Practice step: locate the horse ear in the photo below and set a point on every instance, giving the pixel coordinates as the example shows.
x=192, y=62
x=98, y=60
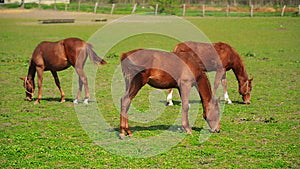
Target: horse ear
x=22, y=78
x=250, y=79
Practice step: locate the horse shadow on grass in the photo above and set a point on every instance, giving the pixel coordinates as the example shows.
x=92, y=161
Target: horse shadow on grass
x=238, y=102
x=57, y=99
x=173, y=128
x=178, y=103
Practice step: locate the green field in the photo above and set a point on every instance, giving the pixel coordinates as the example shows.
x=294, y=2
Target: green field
x=264, y=134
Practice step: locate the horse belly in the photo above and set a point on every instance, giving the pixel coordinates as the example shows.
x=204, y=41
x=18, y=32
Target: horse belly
x=61, y=65
x=162, y=82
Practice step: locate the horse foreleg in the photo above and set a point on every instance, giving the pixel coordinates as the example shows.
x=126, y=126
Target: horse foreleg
x=169, y=98
x=40, y=81
x=57, y=82
x=224, y=84
x=185, y=90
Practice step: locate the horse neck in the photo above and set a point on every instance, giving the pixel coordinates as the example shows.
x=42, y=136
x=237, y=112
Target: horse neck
x=205, y=92
x=239, y=70
x=31, y=72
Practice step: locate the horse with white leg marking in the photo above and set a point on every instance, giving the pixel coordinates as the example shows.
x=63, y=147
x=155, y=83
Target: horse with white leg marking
x=166, y=70
x=58, y=56
x=226, y=59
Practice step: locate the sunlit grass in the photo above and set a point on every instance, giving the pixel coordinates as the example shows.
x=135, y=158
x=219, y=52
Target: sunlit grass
x=262, y=134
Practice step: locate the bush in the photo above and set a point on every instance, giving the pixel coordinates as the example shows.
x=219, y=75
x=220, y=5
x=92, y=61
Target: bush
x=166, y=6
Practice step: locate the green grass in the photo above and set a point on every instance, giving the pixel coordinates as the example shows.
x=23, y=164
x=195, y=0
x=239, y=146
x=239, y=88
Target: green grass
x=264, y=134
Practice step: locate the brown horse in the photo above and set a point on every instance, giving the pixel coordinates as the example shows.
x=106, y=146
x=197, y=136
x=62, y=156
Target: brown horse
x=226, y=59
x=57, y=56
x=166, y=70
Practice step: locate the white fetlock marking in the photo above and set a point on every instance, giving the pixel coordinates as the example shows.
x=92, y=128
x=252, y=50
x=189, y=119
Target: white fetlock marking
x=86, y=101
x=226, y=97
x=169, y=99
x=75, y=101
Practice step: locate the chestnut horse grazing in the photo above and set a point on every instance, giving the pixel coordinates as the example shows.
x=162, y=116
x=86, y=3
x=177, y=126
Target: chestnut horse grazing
x=166, y=70
x=226, y=59
x=57, y=56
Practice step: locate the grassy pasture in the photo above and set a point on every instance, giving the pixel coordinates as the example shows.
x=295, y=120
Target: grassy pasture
x=264, y=134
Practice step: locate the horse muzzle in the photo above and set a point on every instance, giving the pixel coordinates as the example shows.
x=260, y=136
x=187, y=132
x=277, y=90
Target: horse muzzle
x=247, y=102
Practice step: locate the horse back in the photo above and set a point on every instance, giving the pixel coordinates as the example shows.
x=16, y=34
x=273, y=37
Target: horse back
x=160, y=69
x=50, y=56
x=207, y=56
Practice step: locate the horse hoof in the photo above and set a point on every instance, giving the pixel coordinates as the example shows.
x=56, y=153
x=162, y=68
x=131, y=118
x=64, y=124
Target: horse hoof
x=228, y=101
x=188, y=131
x=170, y=104
x=62, y=101
x=28, y=99
x=75, y=101
x=121, y=136
x=215, y=131
x=86, y=101
x=36, y=102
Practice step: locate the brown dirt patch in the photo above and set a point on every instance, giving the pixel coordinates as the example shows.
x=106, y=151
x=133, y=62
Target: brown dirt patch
x=264, y=10
x=80, y=17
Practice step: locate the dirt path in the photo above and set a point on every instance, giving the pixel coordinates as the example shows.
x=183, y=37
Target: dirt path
x=80, y=17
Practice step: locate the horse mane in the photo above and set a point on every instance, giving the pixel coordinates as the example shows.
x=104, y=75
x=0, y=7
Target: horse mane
x=220, y=46
x=238, y=65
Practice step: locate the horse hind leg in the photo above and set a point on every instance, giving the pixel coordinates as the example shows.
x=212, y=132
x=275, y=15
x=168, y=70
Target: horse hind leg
x=131, y=91
x=169, y=98
x=57, y=82
x=124, y=126
x=224, y=84
x=80, y=62
x=79, y=91
x=83, y=81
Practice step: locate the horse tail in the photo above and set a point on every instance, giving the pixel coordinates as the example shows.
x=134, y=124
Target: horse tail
x=129, y=69
x=93, y=56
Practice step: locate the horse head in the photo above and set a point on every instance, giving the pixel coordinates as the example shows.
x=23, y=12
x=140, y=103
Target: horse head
x=29, y=88
x=212, y=117
x=245, y=91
